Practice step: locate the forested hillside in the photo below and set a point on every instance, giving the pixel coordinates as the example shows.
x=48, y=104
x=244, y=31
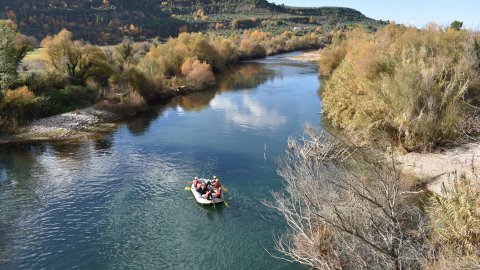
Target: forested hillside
x=108, y=21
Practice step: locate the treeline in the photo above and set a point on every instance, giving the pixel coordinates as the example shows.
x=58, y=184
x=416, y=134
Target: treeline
x=126, y=77
x=107, y=22
x=415, y=88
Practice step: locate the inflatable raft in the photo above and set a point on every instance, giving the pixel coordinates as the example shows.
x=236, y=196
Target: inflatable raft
x=201, y=200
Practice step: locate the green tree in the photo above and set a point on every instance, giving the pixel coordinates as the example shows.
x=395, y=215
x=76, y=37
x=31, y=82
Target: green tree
x=457, y=25
x=10, y=55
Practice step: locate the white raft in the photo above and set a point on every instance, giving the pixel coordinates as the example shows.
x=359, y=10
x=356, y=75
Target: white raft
x=201, y=200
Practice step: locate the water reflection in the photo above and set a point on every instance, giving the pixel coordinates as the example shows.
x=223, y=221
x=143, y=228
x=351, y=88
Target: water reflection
x=104, y=143
x=249, y=113
x=194, y=102
x=139, y=124
x=244, y=76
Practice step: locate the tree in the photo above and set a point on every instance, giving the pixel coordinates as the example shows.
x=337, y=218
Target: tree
x=75, y=59
x=456, y=25
x=11, y=54
x=345, y=209
x=124, y=54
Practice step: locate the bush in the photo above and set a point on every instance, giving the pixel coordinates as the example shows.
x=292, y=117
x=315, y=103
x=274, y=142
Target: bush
x=403, y=84
x=455, y=224
x=41, y=83
x=16, y=107
x=330, y=58
x=69, y=98
x=198, y=74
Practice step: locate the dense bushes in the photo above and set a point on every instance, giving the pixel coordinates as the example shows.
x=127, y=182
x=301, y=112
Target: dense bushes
x=400, y=83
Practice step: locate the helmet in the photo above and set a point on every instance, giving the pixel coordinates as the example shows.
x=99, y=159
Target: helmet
x=214, y=177
x=196, y=177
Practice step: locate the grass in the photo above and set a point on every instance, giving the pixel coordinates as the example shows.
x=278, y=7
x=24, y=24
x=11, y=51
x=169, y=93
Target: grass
x=35, y=55
x=34, y=60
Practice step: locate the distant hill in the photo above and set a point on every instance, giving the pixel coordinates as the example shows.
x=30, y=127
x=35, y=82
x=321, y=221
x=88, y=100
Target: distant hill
x=108, y=21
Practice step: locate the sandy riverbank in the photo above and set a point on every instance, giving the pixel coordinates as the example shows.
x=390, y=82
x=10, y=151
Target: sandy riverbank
x=307, y=56
x=437, y=169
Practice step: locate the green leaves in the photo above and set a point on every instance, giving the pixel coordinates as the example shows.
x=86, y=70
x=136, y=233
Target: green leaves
x=9, y=58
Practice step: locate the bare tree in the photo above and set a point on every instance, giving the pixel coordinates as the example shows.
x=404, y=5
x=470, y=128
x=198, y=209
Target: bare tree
x=345, y=208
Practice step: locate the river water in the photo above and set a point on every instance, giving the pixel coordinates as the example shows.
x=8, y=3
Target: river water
x=118, y=201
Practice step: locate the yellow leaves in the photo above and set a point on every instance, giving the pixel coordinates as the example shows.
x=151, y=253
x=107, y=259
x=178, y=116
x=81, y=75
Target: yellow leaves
x=19, y=96
x=197, y=73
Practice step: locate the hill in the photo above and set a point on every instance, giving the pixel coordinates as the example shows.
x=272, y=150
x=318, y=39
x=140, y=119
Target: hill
x=107, y=21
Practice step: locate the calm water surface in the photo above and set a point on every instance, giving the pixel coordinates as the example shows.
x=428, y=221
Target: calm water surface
x=118, y=202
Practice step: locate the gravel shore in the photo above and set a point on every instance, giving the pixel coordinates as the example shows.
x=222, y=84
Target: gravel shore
x=70, y=125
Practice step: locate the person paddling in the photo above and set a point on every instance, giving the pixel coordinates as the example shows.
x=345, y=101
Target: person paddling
x=217, y=183
x=218, y=193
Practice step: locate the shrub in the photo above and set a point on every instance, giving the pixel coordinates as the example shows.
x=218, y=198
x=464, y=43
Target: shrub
x=198, y=74
x=19, y=97
x=330, y=58
x=455, y=225
x=16, y=107
x=41, y=83
x=134, y=103
x=403, y=84
x=70, y=98
x=131, y=80
x=455, y=218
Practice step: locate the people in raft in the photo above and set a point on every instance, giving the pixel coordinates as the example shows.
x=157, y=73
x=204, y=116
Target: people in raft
x=208, y=189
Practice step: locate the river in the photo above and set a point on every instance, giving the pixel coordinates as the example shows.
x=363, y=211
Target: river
x=118, y=201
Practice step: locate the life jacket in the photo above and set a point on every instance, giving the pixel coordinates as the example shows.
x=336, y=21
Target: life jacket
x=195, y=182
x=217, y=184
x=218, y=194
x=199, y=188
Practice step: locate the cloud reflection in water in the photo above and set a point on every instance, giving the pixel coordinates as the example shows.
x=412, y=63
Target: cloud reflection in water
x=248, y=113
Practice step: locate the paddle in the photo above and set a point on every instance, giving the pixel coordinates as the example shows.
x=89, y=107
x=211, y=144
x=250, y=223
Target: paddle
x=188, y=188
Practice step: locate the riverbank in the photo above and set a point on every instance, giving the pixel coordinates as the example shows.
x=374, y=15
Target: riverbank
x=436, y=170
x=310, y=56
x=78, y=124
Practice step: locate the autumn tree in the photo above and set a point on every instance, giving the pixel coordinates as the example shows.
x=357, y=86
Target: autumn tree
x=75, y=58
